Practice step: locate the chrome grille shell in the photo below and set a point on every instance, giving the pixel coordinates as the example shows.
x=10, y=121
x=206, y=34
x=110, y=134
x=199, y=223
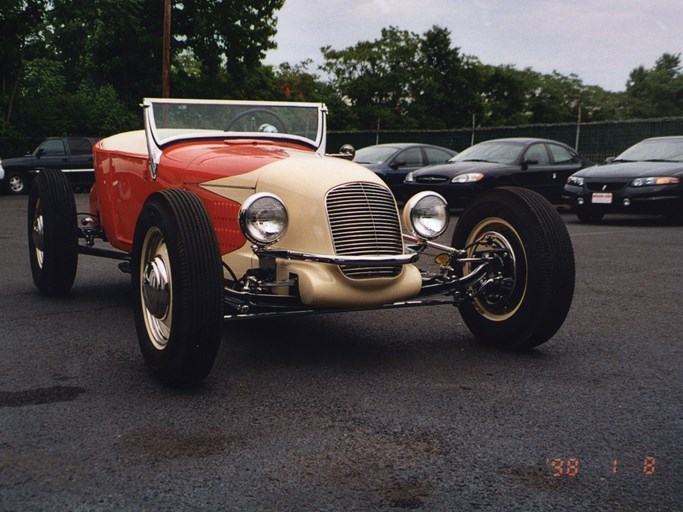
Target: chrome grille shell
x=363, y=220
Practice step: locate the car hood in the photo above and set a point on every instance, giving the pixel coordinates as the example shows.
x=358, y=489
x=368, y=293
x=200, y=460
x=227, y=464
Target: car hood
x=632, y=170
x=453, y=169
x=302, y=181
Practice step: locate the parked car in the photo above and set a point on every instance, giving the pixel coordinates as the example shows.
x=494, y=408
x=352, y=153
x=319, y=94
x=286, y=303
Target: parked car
x=537, y=164
x=392, y=162
x=646, y=178
x=72, y=155
x=224, y=210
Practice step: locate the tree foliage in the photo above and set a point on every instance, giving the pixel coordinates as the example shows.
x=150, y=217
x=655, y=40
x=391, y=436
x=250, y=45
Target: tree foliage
x=82, y=67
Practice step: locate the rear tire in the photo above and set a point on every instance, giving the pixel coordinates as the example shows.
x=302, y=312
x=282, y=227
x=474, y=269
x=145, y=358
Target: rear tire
x=177, y=287
x=52, y=233
x=537, y=261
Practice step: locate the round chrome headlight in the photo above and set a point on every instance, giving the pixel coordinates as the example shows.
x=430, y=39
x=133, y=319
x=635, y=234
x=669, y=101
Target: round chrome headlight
x=426, y=215
x=263, y=219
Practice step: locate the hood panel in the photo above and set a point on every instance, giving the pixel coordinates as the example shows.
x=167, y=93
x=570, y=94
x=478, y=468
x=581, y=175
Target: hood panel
x=633, y=170
x=453, y=169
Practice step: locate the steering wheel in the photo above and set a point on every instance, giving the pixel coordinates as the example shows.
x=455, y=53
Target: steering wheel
x=263, y=127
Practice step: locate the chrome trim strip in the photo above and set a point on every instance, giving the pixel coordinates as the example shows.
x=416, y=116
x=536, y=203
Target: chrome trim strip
x=352, y=261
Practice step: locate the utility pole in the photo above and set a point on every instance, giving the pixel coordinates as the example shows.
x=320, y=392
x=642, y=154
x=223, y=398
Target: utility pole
x=166, y=66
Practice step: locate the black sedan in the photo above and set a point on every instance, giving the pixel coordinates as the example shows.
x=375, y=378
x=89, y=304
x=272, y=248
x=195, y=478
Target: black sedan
x=646, y=178
x=392, y=162
x=538, y=164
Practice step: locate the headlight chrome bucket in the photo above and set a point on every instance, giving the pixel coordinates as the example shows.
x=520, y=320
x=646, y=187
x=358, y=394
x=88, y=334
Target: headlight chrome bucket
x=426, y=215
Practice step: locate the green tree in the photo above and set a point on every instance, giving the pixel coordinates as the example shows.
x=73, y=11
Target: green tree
x=376, y=78
x=447, y=84
x=228, y=39
x=21, y=28
x=656, y=92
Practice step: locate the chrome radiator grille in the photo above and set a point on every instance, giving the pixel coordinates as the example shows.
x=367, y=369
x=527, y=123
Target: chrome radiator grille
x=363, y=221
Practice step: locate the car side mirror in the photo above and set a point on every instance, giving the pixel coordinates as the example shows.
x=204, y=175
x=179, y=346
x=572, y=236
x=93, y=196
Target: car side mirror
x=610, y=159
x=347, y=152
x=398, y=163
x=527, y=163
x=40, y=152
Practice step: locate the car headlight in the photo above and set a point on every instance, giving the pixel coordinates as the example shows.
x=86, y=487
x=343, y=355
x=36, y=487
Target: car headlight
x=263, y=219
x=409, y=178
x=577, y=181
x=426, y=215
x=661, y=180
x=470, y=177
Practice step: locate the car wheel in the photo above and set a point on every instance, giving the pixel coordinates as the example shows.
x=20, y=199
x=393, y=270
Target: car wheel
x=589, y=215
x=52, y=233
x=177, y=287
x=533, y=262
x=16, y=183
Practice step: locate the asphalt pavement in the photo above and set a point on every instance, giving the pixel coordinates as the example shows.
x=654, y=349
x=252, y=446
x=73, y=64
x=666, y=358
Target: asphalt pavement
x=377, y=410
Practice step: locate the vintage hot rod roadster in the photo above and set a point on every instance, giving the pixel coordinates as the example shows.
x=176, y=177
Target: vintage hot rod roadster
x=229, y=209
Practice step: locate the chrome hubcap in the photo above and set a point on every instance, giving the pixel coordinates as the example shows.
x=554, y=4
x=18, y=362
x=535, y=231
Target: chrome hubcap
x=156, y=288
x=37, y=235
x=504, y=290
x=16, y=184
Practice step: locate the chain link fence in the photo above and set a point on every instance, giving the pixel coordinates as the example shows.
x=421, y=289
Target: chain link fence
x=594, y=141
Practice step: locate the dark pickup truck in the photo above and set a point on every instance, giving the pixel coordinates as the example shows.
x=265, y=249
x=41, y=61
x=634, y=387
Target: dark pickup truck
x=72, y=155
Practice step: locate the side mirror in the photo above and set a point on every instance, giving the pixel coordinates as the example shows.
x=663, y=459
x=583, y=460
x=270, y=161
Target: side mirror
x=398, y=163
x=610, y=159
x=40, y=152
x=347, y=152
x=527, y=163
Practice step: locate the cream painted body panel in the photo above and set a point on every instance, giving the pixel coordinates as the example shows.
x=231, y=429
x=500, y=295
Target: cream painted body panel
x=302, y=182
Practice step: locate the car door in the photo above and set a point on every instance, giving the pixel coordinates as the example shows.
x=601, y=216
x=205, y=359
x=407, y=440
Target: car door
x=401, y=164
x=536, y=165
x=565, y=163
x=81, y=169
x=51, y=154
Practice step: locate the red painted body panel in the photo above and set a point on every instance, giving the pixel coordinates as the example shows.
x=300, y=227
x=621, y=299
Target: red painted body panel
x=124, y=182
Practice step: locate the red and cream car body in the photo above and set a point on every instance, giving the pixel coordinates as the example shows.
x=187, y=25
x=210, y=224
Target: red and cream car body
x=228, y=209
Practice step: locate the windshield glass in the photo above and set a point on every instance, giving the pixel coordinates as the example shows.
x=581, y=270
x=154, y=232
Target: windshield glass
x=373, y=154
x=496, y=152
x=656, y=149
x=181, y=119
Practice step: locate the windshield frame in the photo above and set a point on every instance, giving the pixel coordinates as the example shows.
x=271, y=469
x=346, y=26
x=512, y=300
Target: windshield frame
x=160, y=138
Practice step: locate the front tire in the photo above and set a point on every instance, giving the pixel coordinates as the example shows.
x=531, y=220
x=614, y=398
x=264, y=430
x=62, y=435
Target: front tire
x=534, y=259
x=178, y=287
x=52, y=233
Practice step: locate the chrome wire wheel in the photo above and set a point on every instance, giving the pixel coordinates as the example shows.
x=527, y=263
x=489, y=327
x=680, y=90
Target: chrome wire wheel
x=506, y=286
x=38, y=234
x=156, y=295
x=526, y=294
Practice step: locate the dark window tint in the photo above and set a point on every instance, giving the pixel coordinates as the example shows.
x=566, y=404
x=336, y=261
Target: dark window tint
x=52, y=148
x=80, y=146
x=537, y=152
x=562, y=155
x=437, y=156
x=412, y=157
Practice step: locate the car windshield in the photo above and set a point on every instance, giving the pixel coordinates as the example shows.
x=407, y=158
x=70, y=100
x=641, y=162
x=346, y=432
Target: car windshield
x=495, y=152
x=373, y=154
x=668, y=150
x=170, y=120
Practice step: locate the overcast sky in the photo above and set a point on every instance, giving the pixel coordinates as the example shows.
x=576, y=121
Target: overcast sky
x=601, y=41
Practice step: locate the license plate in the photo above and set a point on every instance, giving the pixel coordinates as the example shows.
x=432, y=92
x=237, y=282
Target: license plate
x=602, y=198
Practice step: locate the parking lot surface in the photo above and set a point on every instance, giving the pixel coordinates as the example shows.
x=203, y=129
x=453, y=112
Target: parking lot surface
x=379, y=410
